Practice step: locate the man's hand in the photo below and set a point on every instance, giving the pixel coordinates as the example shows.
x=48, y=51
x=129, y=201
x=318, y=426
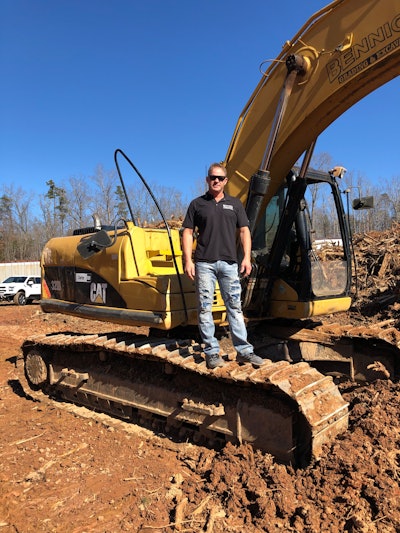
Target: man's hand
x=245, y=238
x=190, y=269
x=245, y=268
x=187, y=246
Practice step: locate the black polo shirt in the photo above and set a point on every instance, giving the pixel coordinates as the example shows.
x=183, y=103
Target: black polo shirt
x=216, y=224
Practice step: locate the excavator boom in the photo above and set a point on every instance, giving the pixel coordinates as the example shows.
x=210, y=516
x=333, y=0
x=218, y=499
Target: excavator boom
x=349, y=49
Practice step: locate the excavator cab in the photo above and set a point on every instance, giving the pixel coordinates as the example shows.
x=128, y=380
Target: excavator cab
x=297, y=271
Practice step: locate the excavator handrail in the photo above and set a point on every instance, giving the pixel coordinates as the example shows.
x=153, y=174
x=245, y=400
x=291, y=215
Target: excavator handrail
x=167, y=227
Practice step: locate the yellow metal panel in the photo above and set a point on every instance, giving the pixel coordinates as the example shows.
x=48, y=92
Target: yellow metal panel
x=282, y=291
x=288, y=309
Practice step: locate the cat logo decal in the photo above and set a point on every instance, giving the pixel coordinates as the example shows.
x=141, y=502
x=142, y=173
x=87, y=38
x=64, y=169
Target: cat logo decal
x=98, y=293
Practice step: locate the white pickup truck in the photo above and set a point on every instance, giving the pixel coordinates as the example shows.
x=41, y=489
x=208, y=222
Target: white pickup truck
x=20, y=289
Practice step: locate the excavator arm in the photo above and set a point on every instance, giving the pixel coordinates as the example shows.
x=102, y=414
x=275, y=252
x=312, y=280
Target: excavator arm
x=344, y=52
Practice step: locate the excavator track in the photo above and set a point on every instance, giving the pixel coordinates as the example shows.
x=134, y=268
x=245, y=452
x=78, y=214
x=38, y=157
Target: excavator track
x=361, y=353
x=288, y=410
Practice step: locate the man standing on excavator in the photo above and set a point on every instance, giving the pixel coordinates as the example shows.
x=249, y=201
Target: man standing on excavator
x=216, y=217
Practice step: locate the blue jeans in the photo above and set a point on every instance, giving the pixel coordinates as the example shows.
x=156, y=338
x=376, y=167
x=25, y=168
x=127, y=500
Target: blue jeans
x=228, y=279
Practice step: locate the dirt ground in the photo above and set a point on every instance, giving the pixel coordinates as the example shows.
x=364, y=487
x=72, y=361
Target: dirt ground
x=60, y=472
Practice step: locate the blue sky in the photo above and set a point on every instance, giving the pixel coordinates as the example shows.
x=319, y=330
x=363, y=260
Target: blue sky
x=164, y=80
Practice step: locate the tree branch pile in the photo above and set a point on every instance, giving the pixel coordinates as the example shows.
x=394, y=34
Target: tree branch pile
x=378, y=271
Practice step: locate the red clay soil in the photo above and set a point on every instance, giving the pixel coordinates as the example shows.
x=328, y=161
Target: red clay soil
x=60, y=472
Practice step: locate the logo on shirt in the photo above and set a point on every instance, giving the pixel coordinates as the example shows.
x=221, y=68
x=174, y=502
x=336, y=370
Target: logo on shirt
x=227, y=206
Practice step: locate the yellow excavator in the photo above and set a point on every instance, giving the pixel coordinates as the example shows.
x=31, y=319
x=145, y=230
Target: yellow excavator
x=132, y=275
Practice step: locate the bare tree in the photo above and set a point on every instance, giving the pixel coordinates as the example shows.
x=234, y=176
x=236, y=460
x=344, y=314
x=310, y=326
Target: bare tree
x=103, y=199
x=15, y=224
x=81, y=203
x=321, y=161
x=170, y=200
x=387, y=203
x=6, y=228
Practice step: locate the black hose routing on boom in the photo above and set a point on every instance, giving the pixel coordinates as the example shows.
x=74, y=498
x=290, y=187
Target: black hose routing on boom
x=259, y=184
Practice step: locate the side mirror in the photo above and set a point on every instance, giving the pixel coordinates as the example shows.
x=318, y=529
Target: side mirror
x=366, y=202
x=94, y=243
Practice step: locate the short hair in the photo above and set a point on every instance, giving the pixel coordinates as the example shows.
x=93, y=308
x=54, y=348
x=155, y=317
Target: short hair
x=215, y=165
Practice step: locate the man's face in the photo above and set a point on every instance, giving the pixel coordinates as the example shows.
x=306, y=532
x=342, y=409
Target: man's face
x=216, y=185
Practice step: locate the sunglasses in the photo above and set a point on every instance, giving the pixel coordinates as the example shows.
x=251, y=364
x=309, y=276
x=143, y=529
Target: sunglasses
x=219, y=178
